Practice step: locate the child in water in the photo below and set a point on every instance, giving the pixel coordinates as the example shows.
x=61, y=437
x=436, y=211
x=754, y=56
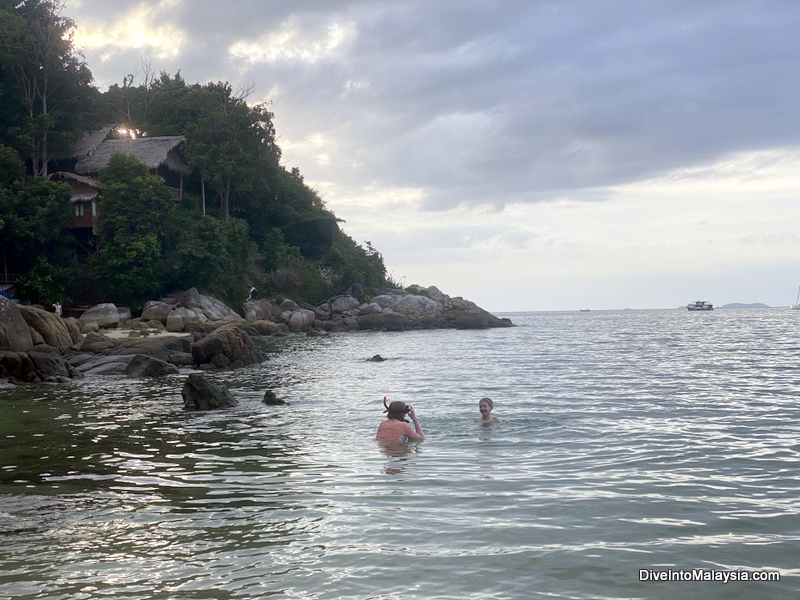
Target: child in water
x=485, y=406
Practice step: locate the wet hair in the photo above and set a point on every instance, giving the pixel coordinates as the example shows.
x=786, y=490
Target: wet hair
x=397, y=410
x=488, y=401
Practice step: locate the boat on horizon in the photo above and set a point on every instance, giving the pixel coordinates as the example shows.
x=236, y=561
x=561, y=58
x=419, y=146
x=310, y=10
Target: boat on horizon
x=796, y=305
x=700, y=305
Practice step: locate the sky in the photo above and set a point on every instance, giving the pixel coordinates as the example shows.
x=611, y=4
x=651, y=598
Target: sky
x=526, y=155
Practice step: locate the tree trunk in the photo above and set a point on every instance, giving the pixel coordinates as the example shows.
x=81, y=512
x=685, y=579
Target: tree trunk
x=203, y=191
x=225, y=199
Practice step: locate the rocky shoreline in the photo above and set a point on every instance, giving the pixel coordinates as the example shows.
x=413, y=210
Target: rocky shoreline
x=192, y=330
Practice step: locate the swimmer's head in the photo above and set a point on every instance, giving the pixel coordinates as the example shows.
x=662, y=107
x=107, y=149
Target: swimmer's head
x=398, y=410
x=485, y=405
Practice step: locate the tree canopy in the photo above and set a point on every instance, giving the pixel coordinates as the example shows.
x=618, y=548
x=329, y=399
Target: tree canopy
x=244, y=219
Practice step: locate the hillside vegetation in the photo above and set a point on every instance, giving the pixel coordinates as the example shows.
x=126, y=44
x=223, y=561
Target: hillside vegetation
x=244, y=220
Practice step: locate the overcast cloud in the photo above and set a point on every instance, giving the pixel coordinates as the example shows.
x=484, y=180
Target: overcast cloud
x=525, y=155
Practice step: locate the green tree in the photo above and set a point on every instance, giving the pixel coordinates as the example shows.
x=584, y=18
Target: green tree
x=227, y=140
x=53, y=83
x=351, y=263
x=44, y=284
x=34, y=213
x=218, y=257
x=135, y=220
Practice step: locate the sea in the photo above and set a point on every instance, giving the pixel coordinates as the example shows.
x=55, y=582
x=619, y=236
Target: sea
x=640, y=454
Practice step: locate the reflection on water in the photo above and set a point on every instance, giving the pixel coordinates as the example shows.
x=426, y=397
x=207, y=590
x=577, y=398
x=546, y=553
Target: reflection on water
x=400, y=455
x=630, y=440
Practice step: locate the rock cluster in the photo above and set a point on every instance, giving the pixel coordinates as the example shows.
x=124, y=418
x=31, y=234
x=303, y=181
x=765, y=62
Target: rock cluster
x=391, y=310
x=38, y=346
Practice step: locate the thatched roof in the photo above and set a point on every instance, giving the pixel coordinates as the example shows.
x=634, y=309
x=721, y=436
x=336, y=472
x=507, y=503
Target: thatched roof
x=83, y=188
x=90, y=141
x=67, y=176
x=154, y=152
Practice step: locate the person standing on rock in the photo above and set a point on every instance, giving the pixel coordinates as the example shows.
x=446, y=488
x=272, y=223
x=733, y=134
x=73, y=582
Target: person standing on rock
x=57, y=307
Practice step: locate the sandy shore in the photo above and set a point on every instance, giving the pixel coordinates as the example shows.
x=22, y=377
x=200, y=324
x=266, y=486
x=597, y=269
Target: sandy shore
x=119, y=334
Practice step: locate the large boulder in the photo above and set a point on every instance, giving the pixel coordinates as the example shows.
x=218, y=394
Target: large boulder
x=289, y=305
x=369, y=309
x=156, y=347
x=15, y=334
x=90, y=364
x=470, y=318
x=53, y=330
x=105, y=315
x=147, y=366
x=200, y=394
x=301, y=320
x=226, y=346
x=417, y=309
x=181, y=359
x=182, y=316
x=33, y=367
x=433, y=293
x=464, y=314
x=97, y=343
x=213, y=309
x=51, y=367
x=393, y=320
x=370, y=321
x=342, y=304
x=15, y=365
x=260, y=310
x=389, y=320
x=71, y=323
x=155, y=310
x=269, y=328
x=429, y=307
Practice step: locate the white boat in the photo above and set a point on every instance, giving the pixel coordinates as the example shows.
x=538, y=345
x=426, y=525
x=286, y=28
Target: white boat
x=796, y=305
x=700, y=305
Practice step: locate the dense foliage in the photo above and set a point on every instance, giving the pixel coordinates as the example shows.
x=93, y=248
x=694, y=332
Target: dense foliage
x=244, y=221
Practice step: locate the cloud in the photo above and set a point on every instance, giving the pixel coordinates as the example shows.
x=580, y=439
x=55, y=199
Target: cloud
x=137, y=28
x=532, y=139
x=291, y=43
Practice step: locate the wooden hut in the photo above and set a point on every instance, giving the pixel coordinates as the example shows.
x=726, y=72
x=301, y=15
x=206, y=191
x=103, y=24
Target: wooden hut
x=84, y=199
x=159, y=154
x=93, y=153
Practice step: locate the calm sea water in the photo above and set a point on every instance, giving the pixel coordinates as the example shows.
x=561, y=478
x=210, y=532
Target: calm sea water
x=663, y=441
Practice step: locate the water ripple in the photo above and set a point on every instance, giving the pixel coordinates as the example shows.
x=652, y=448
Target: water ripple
x=630, y=440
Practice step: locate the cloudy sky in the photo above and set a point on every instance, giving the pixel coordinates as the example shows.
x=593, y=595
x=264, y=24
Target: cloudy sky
x=523, y=154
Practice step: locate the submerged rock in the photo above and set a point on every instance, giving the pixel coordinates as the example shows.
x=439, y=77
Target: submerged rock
x=147, y=366
x=200, y=394
x=271, y=399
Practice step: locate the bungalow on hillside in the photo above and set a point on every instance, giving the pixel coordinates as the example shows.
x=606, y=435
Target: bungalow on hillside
x=92, y=154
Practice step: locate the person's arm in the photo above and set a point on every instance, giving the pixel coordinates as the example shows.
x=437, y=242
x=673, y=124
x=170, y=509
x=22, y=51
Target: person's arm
x=417, y=433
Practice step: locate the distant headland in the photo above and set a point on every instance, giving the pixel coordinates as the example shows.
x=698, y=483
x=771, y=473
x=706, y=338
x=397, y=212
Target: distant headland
x=740, y=305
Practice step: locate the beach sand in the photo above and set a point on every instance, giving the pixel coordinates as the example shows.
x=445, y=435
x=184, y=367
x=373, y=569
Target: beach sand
x=124, y=334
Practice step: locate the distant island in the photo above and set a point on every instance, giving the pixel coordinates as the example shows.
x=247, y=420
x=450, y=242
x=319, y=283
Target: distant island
x=739, y=305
